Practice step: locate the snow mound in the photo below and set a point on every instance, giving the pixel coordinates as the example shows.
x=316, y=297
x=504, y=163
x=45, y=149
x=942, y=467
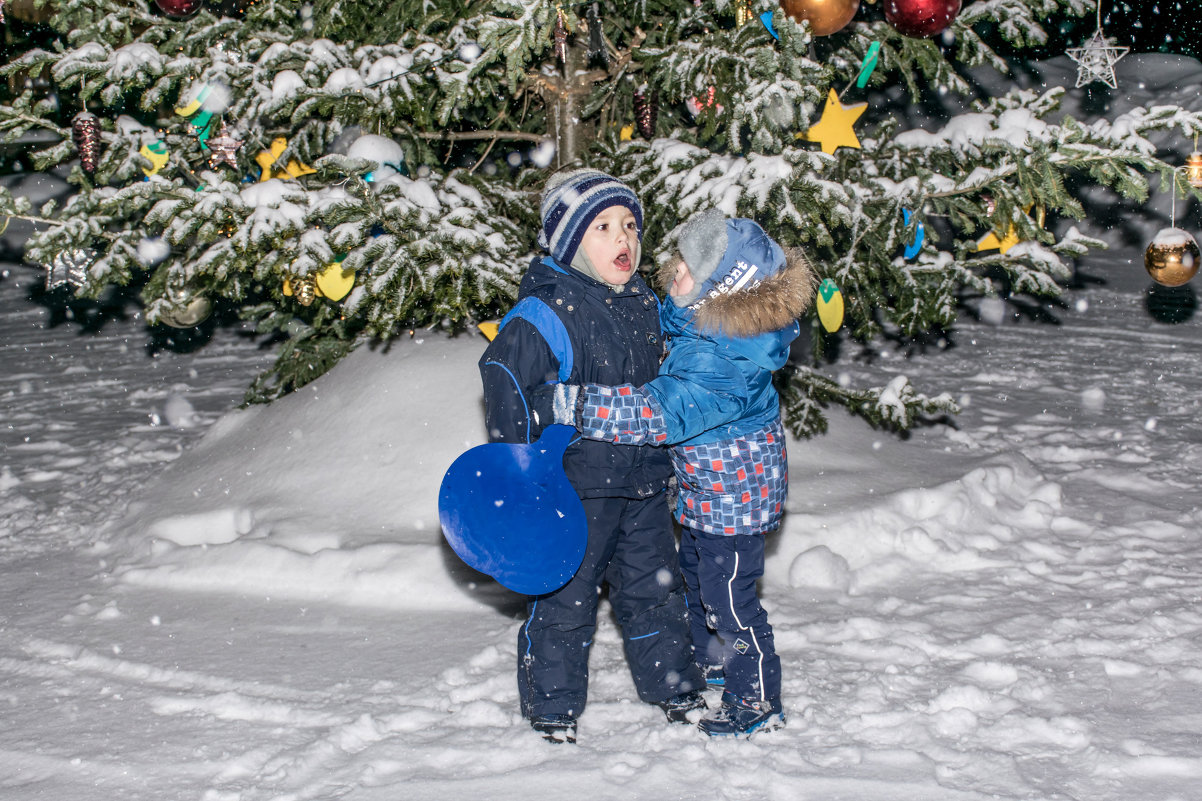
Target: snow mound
x=328, y=493
x=962, y=524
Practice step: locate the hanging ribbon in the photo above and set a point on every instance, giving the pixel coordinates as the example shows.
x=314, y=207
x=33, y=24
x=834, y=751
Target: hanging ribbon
x=868, y=65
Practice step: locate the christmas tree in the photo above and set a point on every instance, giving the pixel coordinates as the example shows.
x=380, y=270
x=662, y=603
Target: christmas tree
x=345, y=173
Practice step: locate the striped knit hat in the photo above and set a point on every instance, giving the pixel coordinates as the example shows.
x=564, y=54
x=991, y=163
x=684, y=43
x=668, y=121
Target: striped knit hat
x=570, y=202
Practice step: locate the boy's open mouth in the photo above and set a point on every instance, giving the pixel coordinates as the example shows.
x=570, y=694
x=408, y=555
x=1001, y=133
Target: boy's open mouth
x=622, y=262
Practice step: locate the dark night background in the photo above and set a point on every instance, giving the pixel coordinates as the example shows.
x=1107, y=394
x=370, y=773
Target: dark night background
x=1165, y=26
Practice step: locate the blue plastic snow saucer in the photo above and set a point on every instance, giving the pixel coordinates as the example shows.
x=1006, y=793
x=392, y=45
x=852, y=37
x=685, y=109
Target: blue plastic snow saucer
x=508, y=510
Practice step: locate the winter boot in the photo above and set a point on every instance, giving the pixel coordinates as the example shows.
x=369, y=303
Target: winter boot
x=555, y=728
x=743, y=717
x=678, y=707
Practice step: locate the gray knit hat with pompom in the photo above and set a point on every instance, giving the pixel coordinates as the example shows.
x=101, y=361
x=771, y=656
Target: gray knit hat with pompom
x=701, y=243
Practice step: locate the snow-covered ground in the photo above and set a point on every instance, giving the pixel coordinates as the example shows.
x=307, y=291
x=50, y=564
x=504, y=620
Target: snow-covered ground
x=205, y=603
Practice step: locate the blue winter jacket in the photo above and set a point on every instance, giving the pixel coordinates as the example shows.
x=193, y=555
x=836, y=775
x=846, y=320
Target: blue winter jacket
x=712, y=388
x=570, y=328
x=714, y=402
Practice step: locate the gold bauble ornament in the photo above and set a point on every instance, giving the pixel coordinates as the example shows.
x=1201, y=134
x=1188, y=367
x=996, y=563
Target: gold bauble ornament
x=825, y=16
x=302, y=287
x=1172, y=258
x=187, y=313
x=1193, y=169
x=305, y=289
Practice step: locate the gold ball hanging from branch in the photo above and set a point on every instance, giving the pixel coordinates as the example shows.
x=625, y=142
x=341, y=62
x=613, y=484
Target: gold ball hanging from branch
x=825, y=16
x=1172, y=258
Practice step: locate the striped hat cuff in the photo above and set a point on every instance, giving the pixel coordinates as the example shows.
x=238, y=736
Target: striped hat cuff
x=569, y=205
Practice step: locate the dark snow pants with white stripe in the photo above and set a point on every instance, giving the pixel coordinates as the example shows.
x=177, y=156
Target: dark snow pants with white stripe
x=631, y=548
x=729, y=626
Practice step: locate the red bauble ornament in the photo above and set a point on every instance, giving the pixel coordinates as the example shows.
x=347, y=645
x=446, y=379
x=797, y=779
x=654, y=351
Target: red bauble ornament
x=178, y=9
x=921, y=18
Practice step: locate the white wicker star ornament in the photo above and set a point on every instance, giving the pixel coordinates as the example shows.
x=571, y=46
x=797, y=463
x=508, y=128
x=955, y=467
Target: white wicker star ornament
x=1096, y=59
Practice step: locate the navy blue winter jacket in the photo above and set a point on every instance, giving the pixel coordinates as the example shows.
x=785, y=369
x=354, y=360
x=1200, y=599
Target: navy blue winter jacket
x=570, y=328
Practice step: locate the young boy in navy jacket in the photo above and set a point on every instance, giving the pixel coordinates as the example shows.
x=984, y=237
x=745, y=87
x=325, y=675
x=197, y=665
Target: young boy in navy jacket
x=735, y=297
x=584, y=315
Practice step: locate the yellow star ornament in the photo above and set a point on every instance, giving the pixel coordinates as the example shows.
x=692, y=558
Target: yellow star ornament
x=991, y=241
x=266, y=160
x=834, y=128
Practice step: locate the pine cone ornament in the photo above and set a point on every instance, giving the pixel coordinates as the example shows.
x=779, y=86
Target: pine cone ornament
x=646, y=106
x=86, y=130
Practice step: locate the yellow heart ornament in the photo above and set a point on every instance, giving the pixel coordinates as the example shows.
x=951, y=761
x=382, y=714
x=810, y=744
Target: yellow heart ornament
x=334, y=282
x=830, y=306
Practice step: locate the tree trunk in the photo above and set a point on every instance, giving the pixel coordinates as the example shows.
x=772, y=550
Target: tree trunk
x=565, y=94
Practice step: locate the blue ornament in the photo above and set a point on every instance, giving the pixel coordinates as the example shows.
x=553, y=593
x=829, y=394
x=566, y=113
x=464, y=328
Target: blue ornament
x=766, y=18
x=914, y=247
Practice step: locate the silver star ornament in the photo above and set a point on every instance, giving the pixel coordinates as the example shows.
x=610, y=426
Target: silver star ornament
x=223, y=147
x=1096, y=59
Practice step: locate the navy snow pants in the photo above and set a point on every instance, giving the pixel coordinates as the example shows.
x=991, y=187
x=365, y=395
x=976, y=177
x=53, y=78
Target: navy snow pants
x=730, y=628
x=631, y=548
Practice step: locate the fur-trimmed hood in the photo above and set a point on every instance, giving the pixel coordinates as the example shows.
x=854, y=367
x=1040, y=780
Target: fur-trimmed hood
x=770, y=305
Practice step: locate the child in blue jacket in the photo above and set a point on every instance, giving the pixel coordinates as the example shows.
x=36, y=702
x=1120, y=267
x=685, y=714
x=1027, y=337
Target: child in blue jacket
x=584, y=314
x=735, y=299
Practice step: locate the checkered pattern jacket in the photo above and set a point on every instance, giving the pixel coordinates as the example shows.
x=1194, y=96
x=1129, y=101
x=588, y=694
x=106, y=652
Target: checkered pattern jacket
x=714, y=403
